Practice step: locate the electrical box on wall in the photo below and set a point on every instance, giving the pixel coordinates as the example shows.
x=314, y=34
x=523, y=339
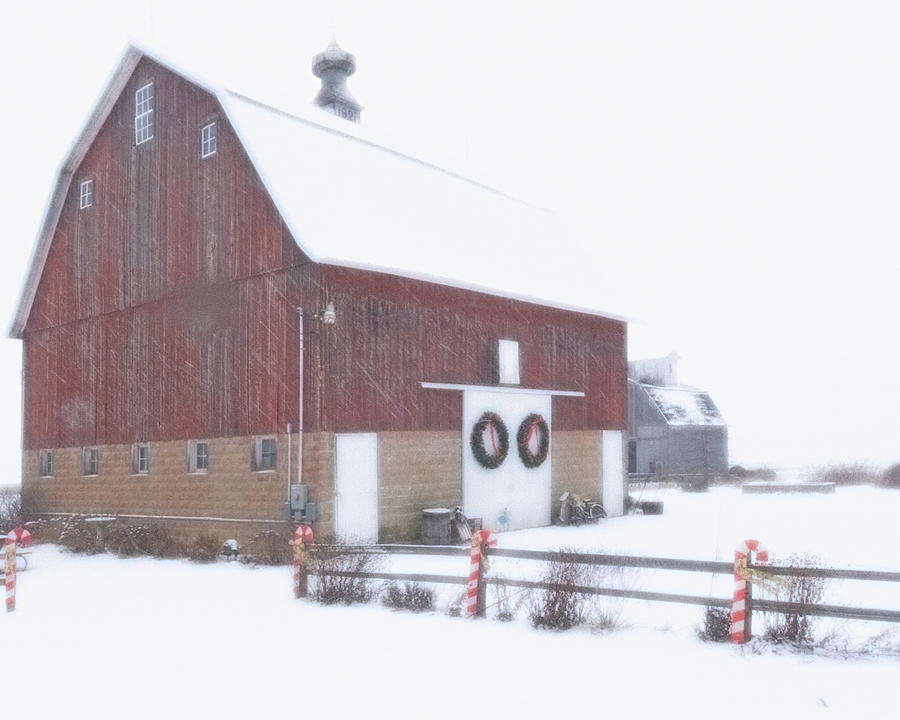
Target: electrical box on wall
x=299, y=495
x=301, y=509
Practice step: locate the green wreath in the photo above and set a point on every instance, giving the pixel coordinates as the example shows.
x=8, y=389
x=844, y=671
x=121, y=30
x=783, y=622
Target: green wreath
x=534, y=423
x=492, y=425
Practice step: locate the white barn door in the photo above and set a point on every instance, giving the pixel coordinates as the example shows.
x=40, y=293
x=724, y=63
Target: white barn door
x=356, y=487
x=511, y=496
x=613, y=474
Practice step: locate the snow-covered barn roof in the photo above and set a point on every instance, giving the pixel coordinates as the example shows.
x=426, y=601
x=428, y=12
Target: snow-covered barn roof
x=684, y=406
x=351, y=201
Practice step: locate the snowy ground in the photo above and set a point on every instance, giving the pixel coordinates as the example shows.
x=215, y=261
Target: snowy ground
x=147, y=638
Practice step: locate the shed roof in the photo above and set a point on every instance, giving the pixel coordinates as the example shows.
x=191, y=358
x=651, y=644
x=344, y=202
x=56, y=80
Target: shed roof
x=352, y=201
x=684, y=406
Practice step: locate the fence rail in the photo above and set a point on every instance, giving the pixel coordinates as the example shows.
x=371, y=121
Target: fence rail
x=625, y=561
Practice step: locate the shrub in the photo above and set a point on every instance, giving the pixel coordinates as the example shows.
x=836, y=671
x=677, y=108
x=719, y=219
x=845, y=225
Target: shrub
x=203, y=549
x=796, y=627
x=11, y=515
x=891, y=476
x=560, y=606
x=79, y=536
x=335, y=582
x=738, y=471
x=506, y=602
x=846, y=474
x=269, y=548
x=716, y=625
x=408, y=596
x=142, y=539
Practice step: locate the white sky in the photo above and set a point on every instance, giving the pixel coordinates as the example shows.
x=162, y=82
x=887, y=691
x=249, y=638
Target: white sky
x=735, y=166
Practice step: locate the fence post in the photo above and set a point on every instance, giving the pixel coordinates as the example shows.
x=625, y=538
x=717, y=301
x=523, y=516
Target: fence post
x=9, y=569
x=476, y=588
x=303, y=536
x=740, y=604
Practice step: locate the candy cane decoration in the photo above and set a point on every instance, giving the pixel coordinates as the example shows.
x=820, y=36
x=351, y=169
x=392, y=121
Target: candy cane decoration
x=474, y=587
x=302, y=537
x=22, y=536
x=739, y=618
x=9, y=551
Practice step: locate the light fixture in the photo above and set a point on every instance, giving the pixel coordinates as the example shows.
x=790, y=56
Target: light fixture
x=328, y=316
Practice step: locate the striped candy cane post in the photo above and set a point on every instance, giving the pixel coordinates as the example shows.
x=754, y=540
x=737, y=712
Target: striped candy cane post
x=739, y=602
x=9, y=569
x=303, y=536
x=480, y=539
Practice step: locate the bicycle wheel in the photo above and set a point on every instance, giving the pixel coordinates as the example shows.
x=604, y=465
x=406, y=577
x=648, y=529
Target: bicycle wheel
x=596, y=511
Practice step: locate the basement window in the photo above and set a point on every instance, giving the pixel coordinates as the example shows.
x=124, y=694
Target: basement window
x=140, y=459
x=45, y=463
x=208, y=137
x=265, y=454
x=86, y=193
x=90, y=461
x=143, y=114
x=198, y=456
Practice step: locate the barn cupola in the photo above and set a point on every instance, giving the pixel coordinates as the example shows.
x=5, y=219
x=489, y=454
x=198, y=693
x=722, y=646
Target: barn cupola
x=334, y=66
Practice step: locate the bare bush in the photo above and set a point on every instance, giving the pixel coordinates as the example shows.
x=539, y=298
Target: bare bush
x=506, y=602
x=142, y=539
x=560, y=606
x=336, y=579
x=79, y=536
x=891, y=476
x=716, y=625
x=269, y=548
x=408, y=596
x=847, y=474
x=11, y=515
x=796, y=627
x=203, y=548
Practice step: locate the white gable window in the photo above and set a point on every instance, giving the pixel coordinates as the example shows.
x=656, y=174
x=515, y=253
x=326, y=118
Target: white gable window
x=508, y=356
x=208, y=135
x=143, y=114
x=86, y=193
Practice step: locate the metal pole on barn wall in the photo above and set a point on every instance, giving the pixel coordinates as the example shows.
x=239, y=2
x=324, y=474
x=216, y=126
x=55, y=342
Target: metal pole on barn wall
x=302, y=537
x=9, y=551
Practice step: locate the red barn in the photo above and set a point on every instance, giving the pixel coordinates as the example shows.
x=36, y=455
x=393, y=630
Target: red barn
x=230, y=305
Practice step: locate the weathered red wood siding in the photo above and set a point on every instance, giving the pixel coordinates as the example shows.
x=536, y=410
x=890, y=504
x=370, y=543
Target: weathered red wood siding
x=165, y=310
x=391, y=333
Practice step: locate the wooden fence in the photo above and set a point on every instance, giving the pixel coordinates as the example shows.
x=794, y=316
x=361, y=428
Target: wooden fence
x=627, y=561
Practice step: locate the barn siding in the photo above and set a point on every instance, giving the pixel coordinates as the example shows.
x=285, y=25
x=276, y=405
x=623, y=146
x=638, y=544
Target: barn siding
x=393, y=333
x=166, y=309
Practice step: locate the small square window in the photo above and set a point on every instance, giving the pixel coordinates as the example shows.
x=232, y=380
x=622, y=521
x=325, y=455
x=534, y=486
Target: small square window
x=198, y=456
x=90, y=461
x=140, y=459
x=46, y=463
x=143, y=114
x=208, y=137
x=86, y=193
x=265, y=454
